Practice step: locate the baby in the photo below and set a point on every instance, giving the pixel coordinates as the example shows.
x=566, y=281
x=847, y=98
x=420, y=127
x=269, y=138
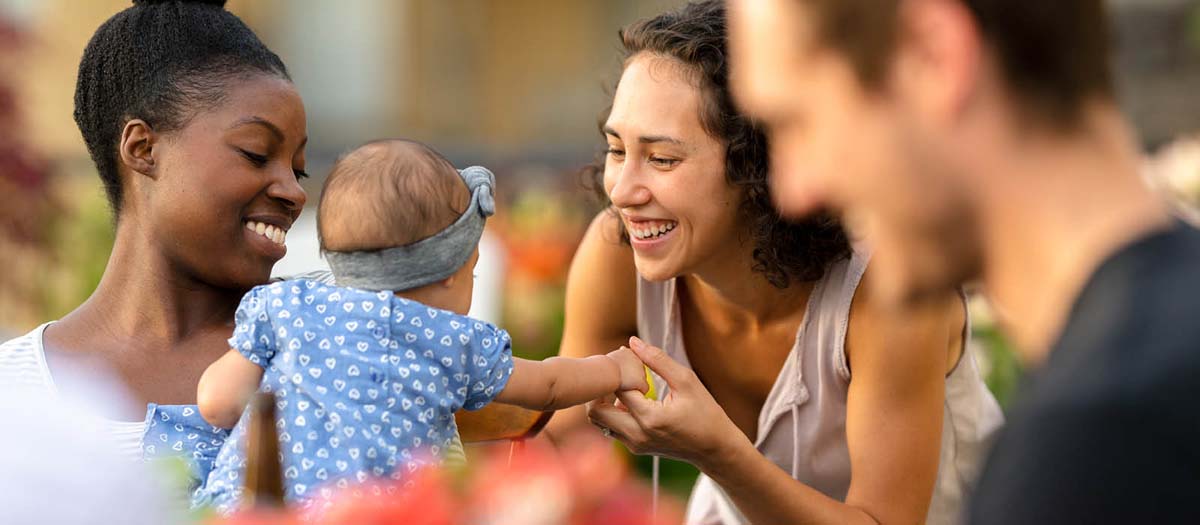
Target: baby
x=368, y=373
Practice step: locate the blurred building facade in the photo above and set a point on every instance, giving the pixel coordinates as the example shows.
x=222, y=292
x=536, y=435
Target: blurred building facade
x=1158, y=66
x=504, y=79
x=479, y=79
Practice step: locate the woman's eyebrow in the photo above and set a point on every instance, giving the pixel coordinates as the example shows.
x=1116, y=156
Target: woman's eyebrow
x=653, y=139
x=647, y=139
x=259, y=121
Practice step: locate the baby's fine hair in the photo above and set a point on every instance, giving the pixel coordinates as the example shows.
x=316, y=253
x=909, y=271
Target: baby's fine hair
x=388, y=193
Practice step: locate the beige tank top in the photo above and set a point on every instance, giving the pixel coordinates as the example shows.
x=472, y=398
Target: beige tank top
x=802, y=425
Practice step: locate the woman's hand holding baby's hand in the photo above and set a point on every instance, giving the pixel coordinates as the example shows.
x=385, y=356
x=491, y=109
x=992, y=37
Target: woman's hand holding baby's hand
x=633, y=372
x=687, y=423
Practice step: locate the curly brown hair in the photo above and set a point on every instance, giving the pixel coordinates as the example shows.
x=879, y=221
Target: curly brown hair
x=784, y=250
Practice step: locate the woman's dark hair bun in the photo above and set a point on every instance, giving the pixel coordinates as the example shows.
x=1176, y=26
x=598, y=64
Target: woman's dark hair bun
x=218, y=3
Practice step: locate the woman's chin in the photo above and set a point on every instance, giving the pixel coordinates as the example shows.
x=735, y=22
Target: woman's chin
x=654, y=271
x=250, y=273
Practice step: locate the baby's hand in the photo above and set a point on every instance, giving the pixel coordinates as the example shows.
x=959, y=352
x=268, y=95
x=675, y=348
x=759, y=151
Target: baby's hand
x=633, y=372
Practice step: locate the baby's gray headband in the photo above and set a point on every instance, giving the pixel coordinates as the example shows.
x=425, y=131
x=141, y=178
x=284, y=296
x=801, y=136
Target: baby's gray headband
x=426, y=261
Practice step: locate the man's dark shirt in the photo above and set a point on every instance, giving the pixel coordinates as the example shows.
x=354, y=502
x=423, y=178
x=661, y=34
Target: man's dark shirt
x=1108, y=431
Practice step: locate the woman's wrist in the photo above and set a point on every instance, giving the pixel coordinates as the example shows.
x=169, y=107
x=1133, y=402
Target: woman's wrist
x=729, y=451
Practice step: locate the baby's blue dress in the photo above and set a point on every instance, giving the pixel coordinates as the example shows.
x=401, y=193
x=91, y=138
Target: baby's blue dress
x=180, y=431
x=366, y=384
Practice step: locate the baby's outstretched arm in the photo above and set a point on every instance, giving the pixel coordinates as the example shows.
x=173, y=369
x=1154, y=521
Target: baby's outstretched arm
x=560, y=382
x=226, y=387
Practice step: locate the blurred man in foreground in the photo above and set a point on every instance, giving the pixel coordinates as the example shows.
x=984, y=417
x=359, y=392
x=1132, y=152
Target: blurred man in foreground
x=980, y=139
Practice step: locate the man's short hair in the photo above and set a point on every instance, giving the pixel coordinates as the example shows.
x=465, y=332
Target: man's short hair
x=1054, y=54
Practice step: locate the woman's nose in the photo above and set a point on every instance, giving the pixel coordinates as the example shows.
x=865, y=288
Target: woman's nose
x=287, y=191
x=628, y=188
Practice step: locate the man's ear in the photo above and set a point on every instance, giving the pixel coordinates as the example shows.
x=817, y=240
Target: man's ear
x=940, y=56
x=136, y=148
x=449, y=281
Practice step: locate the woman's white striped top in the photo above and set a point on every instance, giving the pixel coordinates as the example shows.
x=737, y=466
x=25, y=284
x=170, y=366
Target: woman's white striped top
x=23, y=366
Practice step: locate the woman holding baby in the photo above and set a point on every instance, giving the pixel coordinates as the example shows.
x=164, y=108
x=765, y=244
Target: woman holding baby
x=201, y=161
x=798, y=398
x=198, y=135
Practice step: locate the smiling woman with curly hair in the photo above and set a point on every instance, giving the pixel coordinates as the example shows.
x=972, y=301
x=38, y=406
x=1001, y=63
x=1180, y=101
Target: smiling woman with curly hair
x=785, y=375
x=785, y=252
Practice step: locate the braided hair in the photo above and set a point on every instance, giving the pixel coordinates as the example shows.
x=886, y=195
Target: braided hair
x=162, y=61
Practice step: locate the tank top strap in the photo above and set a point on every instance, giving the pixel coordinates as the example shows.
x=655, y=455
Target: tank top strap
x=830, y=308
x=657, y=307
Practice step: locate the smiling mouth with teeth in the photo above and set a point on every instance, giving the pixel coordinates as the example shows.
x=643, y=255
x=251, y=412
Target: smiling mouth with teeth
x=273, y=233
x=647, y=231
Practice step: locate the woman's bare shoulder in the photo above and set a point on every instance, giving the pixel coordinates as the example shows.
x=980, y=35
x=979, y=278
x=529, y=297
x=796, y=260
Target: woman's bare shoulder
x=937, y=320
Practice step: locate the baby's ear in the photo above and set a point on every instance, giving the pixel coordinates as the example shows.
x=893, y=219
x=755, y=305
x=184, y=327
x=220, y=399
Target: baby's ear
x=449, y=281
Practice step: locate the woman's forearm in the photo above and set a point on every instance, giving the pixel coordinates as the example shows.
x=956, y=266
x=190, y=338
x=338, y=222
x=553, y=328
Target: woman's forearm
x=767, y=495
